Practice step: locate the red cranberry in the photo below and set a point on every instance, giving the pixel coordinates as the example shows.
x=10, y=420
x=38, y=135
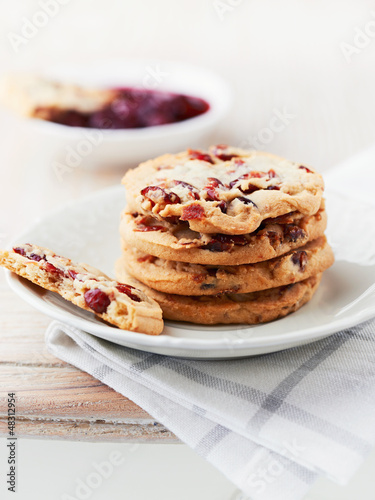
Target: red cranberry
x=127, y=290
x=198, y=155
x=246, y=201
x=72, y=274
x=223, y=206
x=300, y=258
x=250, y=189
x=192, y=212
x=20, y=251
x=50, y=268
x=251, y=175
x=224, y=242
x=37, y=258
x=307, y=169
x=97, y=300
x=272, y=174
x=159, y=195
x=256, y=174
x=271, y=188
x=211, y=187
x=225, y=157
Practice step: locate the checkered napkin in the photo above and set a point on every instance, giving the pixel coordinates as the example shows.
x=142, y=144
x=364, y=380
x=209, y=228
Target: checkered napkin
x=271, y=423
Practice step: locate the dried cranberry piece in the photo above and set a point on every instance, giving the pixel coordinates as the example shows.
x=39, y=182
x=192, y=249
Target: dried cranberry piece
x=97, y=300
x=192, y=190
x=225, y=157
x=223, y=242
x=156, y=194
x=307, y=169
x=300, y=258
x=223, y=206
x=250, y=175
x=246, y=201
x=37, y=258
x=20, y=251
x=250, y=189
x=293, y=233
x=215, y=182
x=50, y=268
x=127, y=290
x=210, y=189
x=192, y=212
x=216, y=245
x=272, y=174
x=198, y=155
x=256, y=174
x=271, y=188
x=72, y=274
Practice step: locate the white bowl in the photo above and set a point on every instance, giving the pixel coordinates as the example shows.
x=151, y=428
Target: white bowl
x=125, y=147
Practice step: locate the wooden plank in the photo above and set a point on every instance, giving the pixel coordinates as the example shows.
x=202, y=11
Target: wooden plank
x=97, y=431
x=64, y=392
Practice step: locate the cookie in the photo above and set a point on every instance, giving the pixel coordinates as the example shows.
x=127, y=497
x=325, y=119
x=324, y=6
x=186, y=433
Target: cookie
x=248, y=308
x=226, y=190
x=193, y=279
x=117, y=303
x=178, y=242
x=38, y=97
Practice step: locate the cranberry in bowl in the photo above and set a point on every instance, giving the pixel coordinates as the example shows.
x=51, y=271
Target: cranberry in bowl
x=129, y=110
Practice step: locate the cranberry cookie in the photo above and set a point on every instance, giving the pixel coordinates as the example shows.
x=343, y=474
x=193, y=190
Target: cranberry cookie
x=193, y=279
x=118, y=303
x=226, y=190
x=246, y=308
x=178, y=242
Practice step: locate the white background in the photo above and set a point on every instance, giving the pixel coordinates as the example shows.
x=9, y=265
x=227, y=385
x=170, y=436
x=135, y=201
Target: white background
x=277, y=55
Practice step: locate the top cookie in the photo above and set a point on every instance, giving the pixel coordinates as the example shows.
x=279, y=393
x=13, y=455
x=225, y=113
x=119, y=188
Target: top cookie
x=226, y=190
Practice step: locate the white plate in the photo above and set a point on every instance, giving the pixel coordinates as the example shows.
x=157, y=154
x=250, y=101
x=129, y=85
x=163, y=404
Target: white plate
x=87, y=231
x=93, y=148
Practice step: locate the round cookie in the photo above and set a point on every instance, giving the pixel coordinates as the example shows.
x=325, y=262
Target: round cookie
x=177, y=242
x=193, y=279
x=250, y=308
x=227, y=190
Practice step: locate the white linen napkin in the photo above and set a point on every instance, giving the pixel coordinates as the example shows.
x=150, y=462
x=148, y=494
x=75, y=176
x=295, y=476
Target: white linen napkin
x=270, y=423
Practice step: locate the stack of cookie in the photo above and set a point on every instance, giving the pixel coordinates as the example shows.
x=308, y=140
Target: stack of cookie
x=224, y=236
